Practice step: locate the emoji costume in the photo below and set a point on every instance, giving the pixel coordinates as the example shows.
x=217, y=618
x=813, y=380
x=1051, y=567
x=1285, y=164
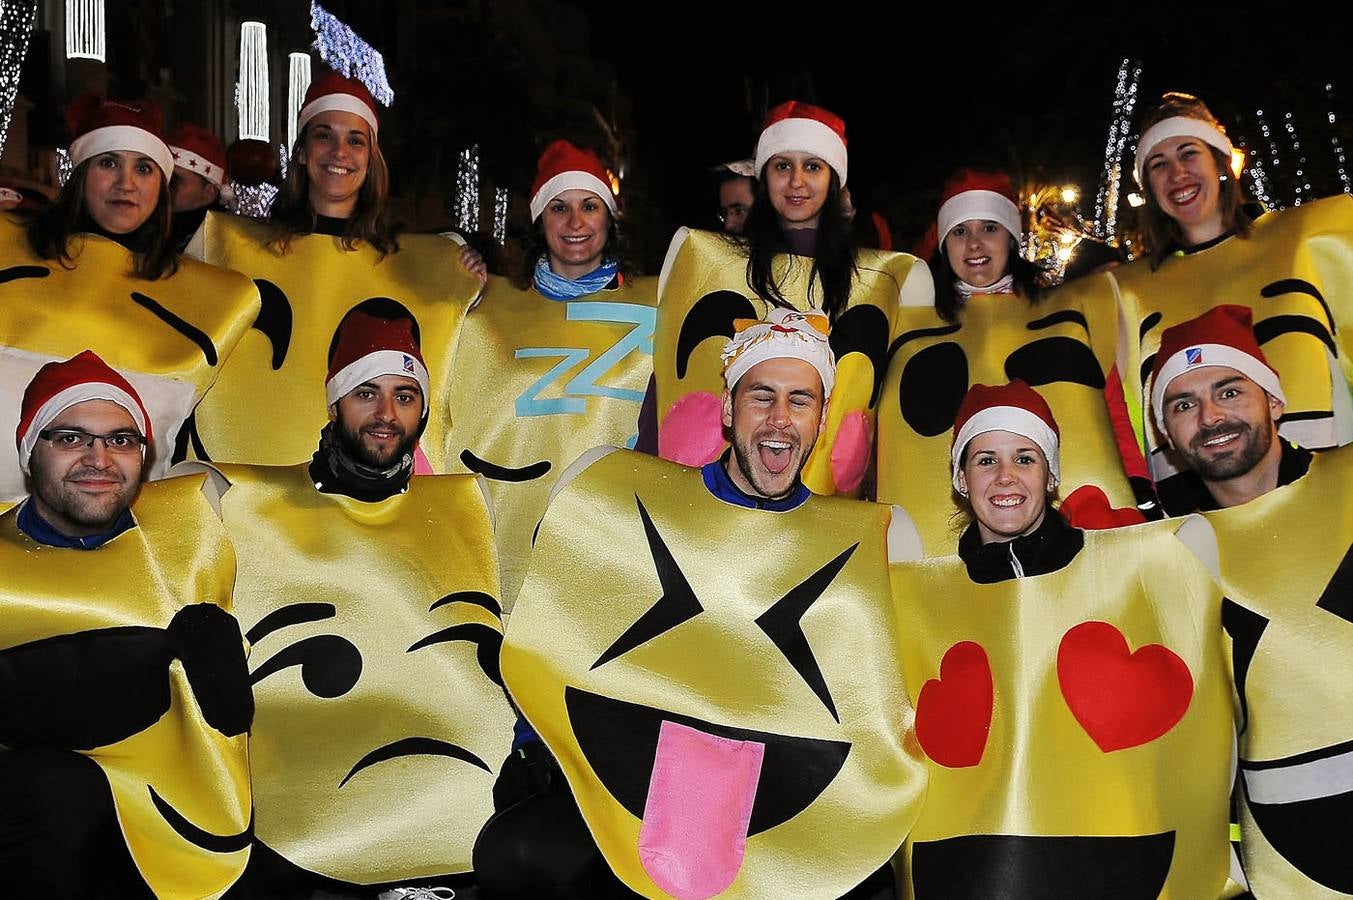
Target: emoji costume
x=741, y=736
x=128, y=654
x=1286, y=566
x=374, y=632
x=535, y=383
x=170, y=338
x=703, y=289
x=1077, y=724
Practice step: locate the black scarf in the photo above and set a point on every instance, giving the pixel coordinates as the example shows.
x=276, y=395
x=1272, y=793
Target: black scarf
x=334, y=471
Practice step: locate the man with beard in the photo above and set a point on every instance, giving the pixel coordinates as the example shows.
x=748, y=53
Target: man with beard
x=1218, y=402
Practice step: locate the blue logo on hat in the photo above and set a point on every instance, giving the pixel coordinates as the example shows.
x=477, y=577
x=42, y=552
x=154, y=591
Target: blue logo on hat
x=1193, y=356
x=408, y=364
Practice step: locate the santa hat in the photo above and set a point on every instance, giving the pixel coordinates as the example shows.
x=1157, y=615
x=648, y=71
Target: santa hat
x=58, y=386
x=199, y=150
x=98, y=125
x=1178, y=126
x=974, y=194
x=370, y=346
x=1222, y=336
x=803, y=128
x=1014, y=407
x=334, y=92
x=564, y=167
x=782, y=334
x=744, y=167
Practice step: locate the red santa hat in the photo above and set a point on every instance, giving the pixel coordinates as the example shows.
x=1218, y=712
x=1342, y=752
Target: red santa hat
x=782, y=334
x=199, y=150
x=975, y=194
x=98, y=125
x=1178, y=126
x=803, y=128
x=1222, y=336
x=564, y=167
x=58, y=386
x=371, y=346
x=1014, y=407
x=334, y=92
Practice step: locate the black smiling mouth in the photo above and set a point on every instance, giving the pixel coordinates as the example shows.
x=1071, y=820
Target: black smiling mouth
x=613, y=734
x=414, y=746
x=198, y=837
x=1302, y=805
x=1019, y=866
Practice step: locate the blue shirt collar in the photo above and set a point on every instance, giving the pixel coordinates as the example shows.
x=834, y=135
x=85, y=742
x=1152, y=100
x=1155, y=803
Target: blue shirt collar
x=718, y=482
x=42, y=531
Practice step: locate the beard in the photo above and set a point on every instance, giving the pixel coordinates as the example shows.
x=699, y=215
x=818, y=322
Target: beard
x=352, y=443
x=747, y=456
x=60, y=498
x=1251, y=446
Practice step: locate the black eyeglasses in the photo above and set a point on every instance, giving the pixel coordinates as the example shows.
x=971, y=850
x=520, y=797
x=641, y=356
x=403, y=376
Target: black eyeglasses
x=74, y=440
x=737, y=210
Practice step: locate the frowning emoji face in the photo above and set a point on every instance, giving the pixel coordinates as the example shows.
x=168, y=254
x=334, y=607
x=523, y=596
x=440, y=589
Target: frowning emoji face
x=720, y=719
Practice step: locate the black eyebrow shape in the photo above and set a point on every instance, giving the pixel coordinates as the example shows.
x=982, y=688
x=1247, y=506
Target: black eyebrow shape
x=414, y=746
x=478, y=598
x=917, y=333
x=294, y=614
x=187, y=329
x=1066, y=315
x=488, y=640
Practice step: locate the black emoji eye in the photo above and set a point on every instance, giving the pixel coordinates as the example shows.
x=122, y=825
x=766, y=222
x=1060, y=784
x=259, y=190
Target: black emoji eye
x=330, y=665
x=710, y=315
x=863, y=329
x=782, y=624
x=1053, y=360
x=932, y=386
x=1245, y=627
x=274, y=320
x=677, y=603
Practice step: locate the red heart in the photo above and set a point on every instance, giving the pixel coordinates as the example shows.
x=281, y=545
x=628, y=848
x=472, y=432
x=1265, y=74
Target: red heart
x=1121, y=699
x=953, y=712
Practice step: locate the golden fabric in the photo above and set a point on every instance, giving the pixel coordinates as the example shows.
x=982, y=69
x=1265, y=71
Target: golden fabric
x=535, y=383
x=168, y=337
x=374, y=633
x=1064, y=346
x=649, y=605
x=176, y=556
x=703, y=288
x=1287, y=571
x=1061, y=766
x=1295, y=272
x=285, y=358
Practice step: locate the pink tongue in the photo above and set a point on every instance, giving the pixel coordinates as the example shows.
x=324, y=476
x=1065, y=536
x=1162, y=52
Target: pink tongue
x=775, y=462
x=699, y=804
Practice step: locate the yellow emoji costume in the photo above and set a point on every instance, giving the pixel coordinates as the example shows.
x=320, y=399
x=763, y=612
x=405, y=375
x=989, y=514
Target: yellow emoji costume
x=374, y=631
x=305, y=293
x=703, y=289
x=1295, y=272
x=1077, y=724
x=534, y=384
x=719, y=684
x=1064, y=346
x=1287, y=569
x=175, y=760
x=170, y=338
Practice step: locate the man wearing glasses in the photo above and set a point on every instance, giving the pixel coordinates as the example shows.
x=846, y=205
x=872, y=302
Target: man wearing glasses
x=737, y=191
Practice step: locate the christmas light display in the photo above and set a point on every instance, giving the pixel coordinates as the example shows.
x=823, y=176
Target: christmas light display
x=1120, y=129
x=16, y=26
x=298, y=80
x=1263, y=191
x=500, y=215
x=251, y=91
x=86, y=34
x=345, y=52
x=1340, y=164
x=1302, y=189
x=63, y=166
x=467, y=191
x=254, y=200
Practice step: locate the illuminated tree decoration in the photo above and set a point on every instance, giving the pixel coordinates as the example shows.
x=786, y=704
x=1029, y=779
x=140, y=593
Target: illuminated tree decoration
x=1120, y=129
x=85, y=32
x=1264, y=194
x=500, y=215
x=63, y=166
x=298, y=81
x=253, y=201
x=467, y=190
x=16, y=26
x=1340, y=164
x=251, y=92
x=1302, y=188
x=343, y=51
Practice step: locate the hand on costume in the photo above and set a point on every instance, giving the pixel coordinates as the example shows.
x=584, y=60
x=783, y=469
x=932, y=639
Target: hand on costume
x=528, y=770
x=474, y=263
x=207, y=639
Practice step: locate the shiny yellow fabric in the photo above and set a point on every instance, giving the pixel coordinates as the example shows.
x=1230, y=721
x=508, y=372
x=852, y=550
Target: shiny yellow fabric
x=996, y=336
x=320, y=282
x=534, y=384
x=1288, y=255
x=1040, y=773
x=700, y=263
x=1284, y=560
x=593, y=577
x=177, y=555
x=50, y=312
x=381, y=566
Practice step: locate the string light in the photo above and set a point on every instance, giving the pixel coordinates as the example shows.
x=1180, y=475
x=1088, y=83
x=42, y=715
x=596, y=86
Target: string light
x=86, y=34
x=251, y=91
x=1341, y=165
x=255, y=200
x=500, y=215
x=1268, y=196
x=467, y=190
x=16, y=26
x=1302, y=188
x=298, y=81
x=1120, y=128
x=345, y=52
x=63, y=166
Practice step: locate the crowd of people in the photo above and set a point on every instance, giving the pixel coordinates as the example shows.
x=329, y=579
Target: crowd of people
x=335, y=566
